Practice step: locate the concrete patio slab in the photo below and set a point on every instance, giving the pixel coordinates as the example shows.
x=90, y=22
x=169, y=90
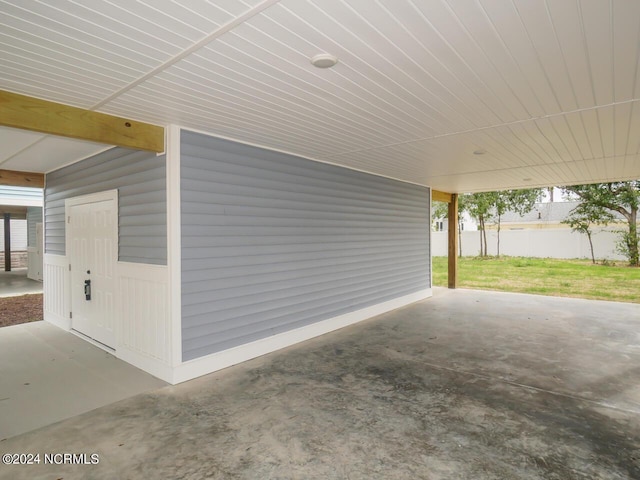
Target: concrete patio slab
x=16, y=283
x=466, y=385
x=47, y=375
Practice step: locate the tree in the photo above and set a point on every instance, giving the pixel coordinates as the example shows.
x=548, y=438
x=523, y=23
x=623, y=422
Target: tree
x=480, y=206
x=462, y=207
x=551, y=190
x=621, y=197
x=440, y=210
x=582, y=217
x=518, y=201
x=492, y=205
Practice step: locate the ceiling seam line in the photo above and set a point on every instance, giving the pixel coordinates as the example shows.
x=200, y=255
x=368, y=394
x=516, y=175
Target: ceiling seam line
x=537, y=55
x=589, y=71
x=347, y=79
x=461, y=59
x=490, y=127
x=431, y=76
x=515, y=62
x=561, y=49
x=484, y=53
x=562, y=52
x=344, y=120
x=175, y=99
x=227, y=27
x=534, y=165
x=22, y=150
x=353, y=110
x=440, y=116
x=91, y=22
x=391, y=42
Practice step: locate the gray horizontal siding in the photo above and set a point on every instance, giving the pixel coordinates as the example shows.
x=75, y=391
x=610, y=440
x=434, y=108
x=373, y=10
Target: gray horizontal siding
x=272, y=242
x=139, y=177
x=20, y=193
x=34, y=216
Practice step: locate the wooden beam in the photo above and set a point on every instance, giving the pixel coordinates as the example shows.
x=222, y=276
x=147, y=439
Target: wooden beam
x=21, y=179
x=453, y=241
x=28, y=113
x=16, y=212
x=438, y=196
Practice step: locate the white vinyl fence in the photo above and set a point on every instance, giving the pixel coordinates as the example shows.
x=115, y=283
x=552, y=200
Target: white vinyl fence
x=18, y=235
x=542, y=243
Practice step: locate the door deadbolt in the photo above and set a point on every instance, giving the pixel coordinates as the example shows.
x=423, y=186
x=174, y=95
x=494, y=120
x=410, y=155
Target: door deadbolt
x=87, y=289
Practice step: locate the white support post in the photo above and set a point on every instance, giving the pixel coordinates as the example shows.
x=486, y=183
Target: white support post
x=174, y=254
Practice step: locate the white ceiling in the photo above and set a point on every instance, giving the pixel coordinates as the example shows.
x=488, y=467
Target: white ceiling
x=33, y=152
x=547, y=88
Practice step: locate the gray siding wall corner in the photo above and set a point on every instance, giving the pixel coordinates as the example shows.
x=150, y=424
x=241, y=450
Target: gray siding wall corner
x=141, y=180
x=273, y=242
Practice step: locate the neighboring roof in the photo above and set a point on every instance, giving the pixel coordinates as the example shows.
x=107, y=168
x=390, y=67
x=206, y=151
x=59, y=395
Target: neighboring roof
x=549, y=212
x=460, y=96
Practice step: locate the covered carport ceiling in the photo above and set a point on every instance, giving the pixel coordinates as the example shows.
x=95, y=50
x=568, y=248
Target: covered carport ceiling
x=544, y=92
x=36, y=152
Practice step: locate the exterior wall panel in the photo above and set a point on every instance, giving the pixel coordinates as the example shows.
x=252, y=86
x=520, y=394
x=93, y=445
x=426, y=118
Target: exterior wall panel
x=140, y=178
x=19, y=235
x=34, y=216
x=273, y=242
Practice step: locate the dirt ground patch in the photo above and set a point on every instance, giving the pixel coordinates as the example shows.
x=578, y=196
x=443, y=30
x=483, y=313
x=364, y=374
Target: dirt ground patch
x=22, y=309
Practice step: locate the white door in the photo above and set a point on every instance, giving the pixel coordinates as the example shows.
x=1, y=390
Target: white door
x=92, y=235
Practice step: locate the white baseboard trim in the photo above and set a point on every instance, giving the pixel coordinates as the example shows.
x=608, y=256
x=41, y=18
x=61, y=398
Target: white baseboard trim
x=217, y=361
x=149, y=365
x=58, y=321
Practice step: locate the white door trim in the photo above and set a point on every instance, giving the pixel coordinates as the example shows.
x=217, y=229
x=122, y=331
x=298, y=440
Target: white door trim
x=107, y=195
x=90, y=198
x=174, y=239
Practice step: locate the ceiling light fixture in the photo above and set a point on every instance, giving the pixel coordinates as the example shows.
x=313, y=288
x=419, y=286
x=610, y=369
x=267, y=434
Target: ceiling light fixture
x=324, y=60
x=526, y=179
x=479, y=152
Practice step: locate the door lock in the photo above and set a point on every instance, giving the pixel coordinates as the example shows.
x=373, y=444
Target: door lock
x=87, y=289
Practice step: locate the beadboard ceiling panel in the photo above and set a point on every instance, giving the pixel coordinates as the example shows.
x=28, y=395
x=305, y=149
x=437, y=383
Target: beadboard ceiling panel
x=14, y=141
x=34, y=152
x=101, y=41
x=547, y=91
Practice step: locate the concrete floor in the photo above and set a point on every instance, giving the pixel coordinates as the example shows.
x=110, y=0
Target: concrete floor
x=16, y=283
x=466, y=385
x=47, y=375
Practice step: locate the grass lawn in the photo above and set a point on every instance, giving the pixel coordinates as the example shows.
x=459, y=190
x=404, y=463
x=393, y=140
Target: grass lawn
x=544, y=276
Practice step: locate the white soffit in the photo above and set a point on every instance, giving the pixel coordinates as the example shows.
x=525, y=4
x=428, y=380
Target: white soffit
x=35, y=152
x=14, y=141
x=549, y=89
